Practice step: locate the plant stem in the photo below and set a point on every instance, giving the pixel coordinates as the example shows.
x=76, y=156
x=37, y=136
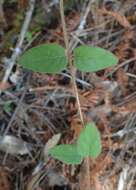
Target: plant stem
x=70, y=61
x=66, y=40
x=73, y=75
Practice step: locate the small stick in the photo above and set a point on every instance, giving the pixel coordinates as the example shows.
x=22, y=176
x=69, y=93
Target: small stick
x=17, y=51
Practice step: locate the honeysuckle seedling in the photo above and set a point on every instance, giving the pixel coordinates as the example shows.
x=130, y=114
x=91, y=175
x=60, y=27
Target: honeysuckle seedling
x=45, y=58
x=88, y=144
x=51, y=58
x=89, y=141
x=67, y=153
x=92, y=59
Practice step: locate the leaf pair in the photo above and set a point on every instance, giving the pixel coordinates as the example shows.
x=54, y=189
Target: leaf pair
x=88, y=144
x=51, y=58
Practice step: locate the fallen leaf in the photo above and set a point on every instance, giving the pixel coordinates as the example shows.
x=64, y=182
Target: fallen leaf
x=13, y=145
x=121, y=19
x=5, y=183
x=122, y=79
x=4, y=85
x=50, y=144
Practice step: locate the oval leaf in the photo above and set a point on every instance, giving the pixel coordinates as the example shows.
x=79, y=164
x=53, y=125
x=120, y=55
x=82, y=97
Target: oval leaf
x=66, y=153
x=91, y=59
x=89, y=142
x=46, y=58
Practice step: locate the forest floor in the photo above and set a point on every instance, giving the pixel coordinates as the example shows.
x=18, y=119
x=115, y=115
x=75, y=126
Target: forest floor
x=34, y=107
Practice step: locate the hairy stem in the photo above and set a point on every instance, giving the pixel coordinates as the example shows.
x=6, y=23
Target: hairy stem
x=70, y=61
x=73, y=75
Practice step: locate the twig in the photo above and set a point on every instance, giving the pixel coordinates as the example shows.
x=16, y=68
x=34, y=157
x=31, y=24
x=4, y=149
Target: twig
x=51, y=4
x=131, y=75
x=121, y=65
x=66, y=40
x=84, y=17
x=15, y=113
x=2, y=18
x=17, y=51
x=81, y=26
x=123, y=178
x=84, y=83
x=48, y=87
x=31, y=41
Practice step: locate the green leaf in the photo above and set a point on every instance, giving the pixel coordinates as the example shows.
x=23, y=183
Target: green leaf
x=29, y=36
x=66, y=153
x=46, y=58
x=89, y=142
x=8, y=106
x=91, y=59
